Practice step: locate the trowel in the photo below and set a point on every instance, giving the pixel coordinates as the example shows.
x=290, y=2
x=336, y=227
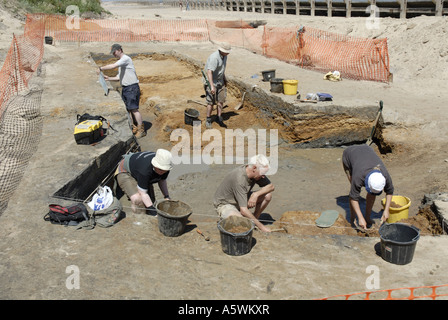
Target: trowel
x=202, y=234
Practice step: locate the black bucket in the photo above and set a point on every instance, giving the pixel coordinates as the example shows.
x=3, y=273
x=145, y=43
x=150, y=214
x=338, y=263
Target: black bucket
x=236, y=235
x=398, y=242
x=268, y=74
x=191, y=115
x=277, y=85
x=48, y=40
x=172, y=217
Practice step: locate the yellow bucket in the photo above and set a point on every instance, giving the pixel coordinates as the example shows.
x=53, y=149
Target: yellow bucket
x=402, y=212
x=290, y=86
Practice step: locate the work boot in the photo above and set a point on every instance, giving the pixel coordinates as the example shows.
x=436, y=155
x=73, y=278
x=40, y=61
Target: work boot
x=221, y=122
x=140, y=131
x=208, y=123
x=134, y=129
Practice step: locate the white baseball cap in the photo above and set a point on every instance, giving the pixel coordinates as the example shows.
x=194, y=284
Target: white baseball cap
x=163, y=160
x=375, y=182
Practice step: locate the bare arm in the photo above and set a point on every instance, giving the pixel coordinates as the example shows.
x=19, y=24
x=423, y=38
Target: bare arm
x=255, y=195
x=245, y=212
x=145, y=198
x=210, y=80
x=355, y=206
x=110, y=67
x=386, y=207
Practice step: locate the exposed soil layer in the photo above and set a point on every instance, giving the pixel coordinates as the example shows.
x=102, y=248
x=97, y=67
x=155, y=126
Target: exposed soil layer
x=173, y=82
x=167, y=88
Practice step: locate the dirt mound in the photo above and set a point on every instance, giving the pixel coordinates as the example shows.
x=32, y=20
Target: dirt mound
x=426, y=221
x=304, y=223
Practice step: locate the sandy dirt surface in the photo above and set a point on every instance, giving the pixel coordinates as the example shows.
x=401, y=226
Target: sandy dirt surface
x=133, y=260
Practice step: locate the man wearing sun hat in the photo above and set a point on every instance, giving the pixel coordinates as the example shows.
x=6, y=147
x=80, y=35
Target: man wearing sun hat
x=137, y=172
x=215, y=83
x=234, y=195
x=365, y=169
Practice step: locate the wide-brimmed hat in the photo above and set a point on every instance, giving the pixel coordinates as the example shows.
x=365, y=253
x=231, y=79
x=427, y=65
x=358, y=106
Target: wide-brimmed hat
x=225, y=48
x=114, y=47
x=163, y=160
x=375, y=182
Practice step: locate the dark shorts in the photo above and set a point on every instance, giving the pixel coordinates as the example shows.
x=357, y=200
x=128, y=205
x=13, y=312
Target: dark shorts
x=131, y=96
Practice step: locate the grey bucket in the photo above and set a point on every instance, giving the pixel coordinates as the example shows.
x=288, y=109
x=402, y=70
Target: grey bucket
x=48, y=40
x=172, y=217
x=398, y=242
x=236, y=244
x=191, y=115
x=268, y=74
x=277, y=85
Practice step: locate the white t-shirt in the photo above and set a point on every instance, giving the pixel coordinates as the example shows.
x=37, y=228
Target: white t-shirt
x=217, y=64
x=126, y=71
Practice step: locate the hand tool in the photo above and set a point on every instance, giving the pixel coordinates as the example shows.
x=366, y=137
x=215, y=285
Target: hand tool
x=103, y=84
x=279, y=230
x=202, y=234
x=370, y=139
x=242, y=102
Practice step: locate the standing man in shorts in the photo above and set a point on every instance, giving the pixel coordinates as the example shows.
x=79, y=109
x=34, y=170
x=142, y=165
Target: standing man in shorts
x=136, y=174
x=235, y=196
x=365, y=169
x=215, y=83
x=130, y=92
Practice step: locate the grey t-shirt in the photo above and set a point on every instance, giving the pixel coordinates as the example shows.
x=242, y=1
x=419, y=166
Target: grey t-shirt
x=235, y=188
x=359, y=160
x=126, y=71
x=217, y=64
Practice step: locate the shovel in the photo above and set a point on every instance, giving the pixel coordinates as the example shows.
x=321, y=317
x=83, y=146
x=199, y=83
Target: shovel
x=242, y=102
x=204, y=104
x=370, y=139
x=197, y=102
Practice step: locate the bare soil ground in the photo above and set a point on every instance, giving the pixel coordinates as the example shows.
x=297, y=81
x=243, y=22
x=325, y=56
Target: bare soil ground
x=133, y=260
x=167, y=84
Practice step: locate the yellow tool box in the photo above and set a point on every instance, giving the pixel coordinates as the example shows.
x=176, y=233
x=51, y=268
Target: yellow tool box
x=88, y=131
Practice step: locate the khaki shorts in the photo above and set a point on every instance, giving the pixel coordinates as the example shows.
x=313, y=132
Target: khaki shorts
x=226, y=210
x=129, y=185
x=221, y=95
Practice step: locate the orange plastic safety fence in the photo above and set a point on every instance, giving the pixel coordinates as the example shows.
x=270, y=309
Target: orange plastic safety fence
x=238, y=34
x=354, y=58
x=410, y=293
x=131, y=30
x=23, y=58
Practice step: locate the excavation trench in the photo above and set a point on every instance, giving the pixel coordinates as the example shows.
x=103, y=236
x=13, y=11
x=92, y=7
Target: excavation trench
x=169, y=81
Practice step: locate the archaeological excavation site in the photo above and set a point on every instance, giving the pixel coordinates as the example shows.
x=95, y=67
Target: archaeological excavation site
x=296, y=92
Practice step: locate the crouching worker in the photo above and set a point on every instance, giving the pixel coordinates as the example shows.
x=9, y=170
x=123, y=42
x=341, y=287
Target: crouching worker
x=234, y=195
x=365, y=169
x=137, y=173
